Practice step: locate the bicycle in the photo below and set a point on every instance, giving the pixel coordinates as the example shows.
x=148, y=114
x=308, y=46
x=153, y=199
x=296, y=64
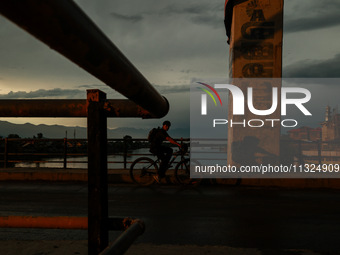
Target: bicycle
x=143, y=169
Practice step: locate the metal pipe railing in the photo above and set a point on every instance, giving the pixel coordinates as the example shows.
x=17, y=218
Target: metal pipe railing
x=124, y=241
x=10, y=152
x=63, y=222
x=64, y=27
x=52, y=222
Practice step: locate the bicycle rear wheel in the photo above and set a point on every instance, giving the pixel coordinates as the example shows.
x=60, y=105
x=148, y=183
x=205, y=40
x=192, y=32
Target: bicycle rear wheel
x=182, y=173
x=143, y=170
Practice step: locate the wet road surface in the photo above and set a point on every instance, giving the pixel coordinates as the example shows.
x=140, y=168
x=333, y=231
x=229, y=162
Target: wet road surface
x=264, y=218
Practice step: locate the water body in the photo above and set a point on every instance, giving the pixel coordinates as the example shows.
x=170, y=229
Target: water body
x=114, y=161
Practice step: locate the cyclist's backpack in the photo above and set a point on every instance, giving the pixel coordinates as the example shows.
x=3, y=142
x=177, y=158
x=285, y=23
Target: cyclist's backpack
x=152, y=134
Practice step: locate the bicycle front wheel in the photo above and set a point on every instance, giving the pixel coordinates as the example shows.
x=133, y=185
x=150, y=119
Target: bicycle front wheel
x=143, y=170
x=182, y=173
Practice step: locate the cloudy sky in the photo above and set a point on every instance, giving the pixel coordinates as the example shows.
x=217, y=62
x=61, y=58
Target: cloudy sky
x=172, y=43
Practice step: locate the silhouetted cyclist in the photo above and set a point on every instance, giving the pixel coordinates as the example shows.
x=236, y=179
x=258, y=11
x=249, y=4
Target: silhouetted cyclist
x=163, y=152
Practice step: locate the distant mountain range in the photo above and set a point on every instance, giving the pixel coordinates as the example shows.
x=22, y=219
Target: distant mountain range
x=29, y=130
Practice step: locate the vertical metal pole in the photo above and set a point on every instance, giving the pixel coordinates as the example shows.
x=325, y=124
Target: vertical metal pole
x=125, y=153
x=65, y=153
x=97, y=173
x=6, y=153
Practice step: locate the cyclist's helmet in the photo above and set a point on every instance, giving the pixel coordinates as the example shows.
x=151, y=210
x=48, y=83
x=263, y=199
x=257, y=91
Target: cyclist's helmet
x=167, y=123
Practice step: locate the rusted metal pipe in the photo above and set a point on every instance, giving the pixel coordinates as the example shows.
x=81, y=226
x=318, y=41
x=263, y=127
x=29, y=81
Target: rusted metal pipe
x=124, y=241
x=64, y=27
x=98, y=232
x=67, y=108
x=58, y=222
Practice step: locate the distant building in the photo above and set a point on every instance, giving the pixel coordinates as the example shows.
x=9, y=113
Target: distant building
x=331, y=125
x=329, y=131
x=329, y=135
x=305, y=133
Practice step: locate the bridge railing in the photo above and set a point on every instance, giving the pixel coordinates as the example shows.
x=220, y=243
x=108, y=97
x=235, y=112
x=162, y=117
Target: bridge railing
x=72, y=153
x=68, y=153
x=65, y=27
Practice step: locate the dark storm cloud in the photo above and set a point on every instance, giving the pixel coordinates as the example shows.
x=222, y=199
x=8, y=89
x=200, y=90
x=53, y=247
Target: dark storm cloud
x=202, y=14
x=312, y=23
x=208, y=20
x=329, y=68
x=313, y=7
x=195, y=9
x=208, y=14
x=172, y=89
x=128, y=18
x=43, y=93
x=162, y=89
x=311, y=15
x=92, y=86
x=189, y=71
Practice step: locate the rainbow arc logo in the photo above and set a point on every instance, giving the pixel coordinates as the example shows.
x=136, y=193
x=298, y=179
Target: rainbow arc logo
x=204, y=97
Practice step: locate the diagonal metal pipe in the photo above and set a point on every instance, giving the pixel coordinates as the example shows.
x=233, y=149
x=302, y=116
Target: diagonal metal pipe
x=64, y=27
